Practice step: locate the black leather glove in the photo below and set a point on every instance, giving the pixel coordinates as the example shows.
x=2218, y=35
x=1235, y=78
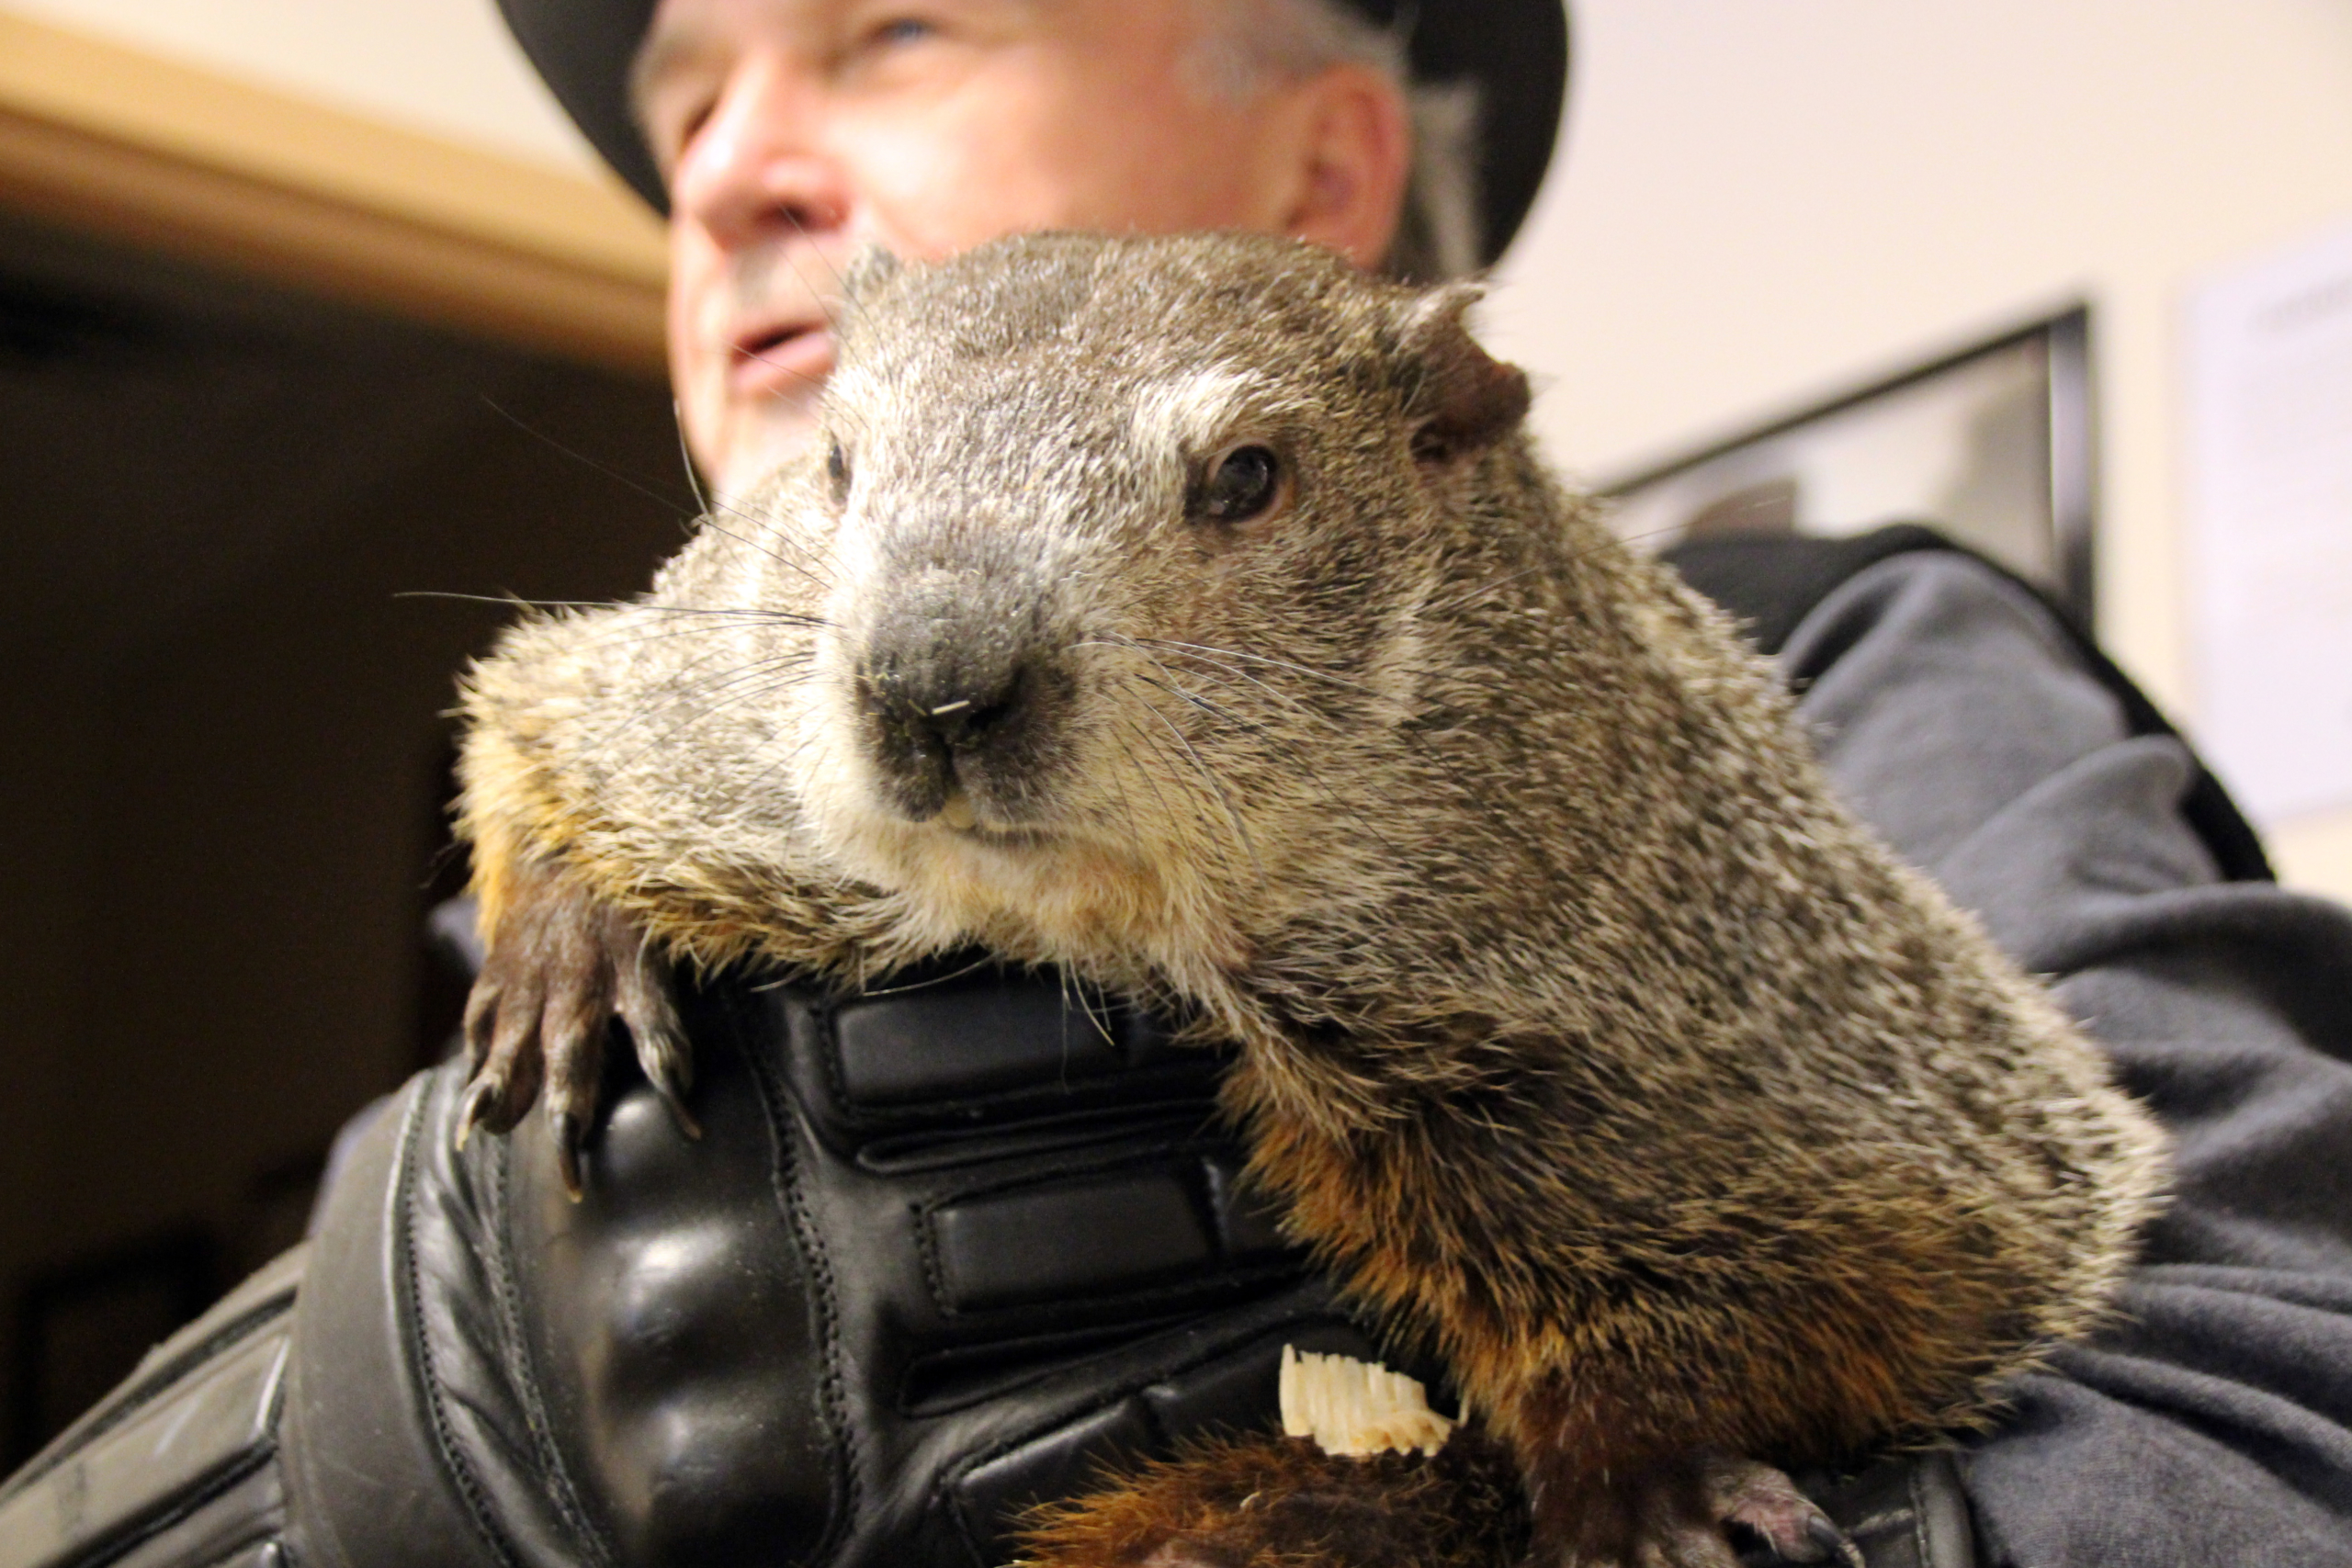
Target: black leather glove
x=940, y=1253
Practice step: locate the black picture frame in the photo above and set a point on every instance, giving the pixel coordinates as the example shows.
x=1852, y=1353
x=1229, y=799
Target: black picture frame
x=2036, y=386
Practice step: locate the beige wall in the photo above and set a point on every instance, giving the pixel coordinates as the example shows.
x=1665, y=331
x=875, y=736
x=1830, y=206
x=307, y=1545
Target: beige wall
x=1761, y=199
x=1765, y=198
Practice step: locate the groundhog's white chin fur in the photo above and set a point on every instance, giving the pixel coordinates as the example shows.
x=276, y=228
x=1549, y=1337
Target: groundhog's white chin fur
x=1048, y=893
x=1055, y=900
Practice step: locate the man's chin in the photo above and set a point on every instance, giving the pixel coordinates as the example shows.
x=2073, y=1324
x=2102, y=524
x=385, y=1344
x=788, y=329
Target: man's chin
x=762, y=440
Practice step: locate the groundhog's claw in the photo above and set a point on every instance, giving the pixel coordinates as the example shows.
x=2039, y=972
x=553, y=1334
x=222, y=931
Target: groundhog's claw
x=1711, y=1510
x=560, y=967
x=506, y=1072
x=641, y=997
x=1763, y=1504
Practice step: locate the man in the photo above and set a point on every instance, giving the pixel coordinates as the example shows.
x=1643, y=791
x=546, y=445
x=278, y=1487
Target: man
x=781, y=137
x=938, y=1252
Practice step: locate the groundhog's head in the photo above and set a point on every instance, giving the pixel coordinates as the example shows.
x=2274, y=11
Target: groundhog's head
x=1127, y=547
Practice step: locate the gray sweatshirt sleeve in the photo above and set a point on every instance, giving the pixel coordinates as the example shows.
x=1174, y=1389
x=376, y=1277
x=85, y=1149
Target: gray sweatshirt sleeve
x=2212, y=1423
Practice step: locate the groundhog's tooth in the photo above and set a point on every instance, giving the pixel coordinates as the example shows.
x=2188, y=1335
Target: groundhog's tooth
x=957, y=811
x=1354, y=1408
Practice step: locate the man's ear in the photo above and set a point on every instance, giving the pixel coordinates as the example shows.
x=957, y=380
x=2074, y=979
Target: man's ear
x=1354, y=155
x=1460, y=398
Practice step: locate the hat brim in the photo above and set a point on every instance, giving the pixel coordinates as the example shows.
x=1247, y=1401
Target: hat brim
x=1516, y=50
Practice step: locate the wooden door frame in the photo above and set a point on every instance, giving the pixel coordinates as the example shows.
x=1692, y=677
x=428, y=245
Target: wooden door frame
x=109, y=141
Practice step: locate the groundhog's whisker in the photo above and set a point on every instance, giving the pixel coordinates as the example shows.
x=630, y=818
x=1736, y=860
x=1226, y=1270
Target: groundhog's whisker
x=1445, y=607
x=1208, y=776
x=824, y=302
x=800, y=376
x=1227, y=679
x=1072, y=991
x=684, y=686
x=784, y=618
x=1439, y=608
x=515, y=601
x=1260, y=659
x=763, y=781
x=764, y=689
x=634, y=482
x=1305, y=764
x=686, y=462
x=702, y=621
x=1234, y=675
x=1212, y=842
x=715, y=623
x=1420, y=742
x=1665, y=531
x=1251, y=728
x=711, y=522
x=678, y=681
x=641, y=636
x=681, y=689
x=1152, y=776
x=845, y=295
x=713, y=709
x=512, y=601
x=1119, y=780
x=929, y=982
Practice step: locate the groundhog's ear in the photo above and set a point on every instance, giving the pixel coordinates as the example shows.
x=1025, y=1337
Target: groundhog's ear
x=1460, y=398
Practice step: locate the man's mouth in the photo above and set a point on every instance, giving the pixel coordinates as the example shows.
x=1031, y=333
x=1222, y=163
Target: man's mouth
x=780, y=358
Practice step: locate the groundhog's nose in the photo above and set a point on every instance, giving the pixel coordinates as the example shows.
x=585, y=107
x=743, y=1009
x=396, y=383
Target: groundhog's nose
x=950, y=705
x=962, y=723
x=933, y=736
x=956, y=716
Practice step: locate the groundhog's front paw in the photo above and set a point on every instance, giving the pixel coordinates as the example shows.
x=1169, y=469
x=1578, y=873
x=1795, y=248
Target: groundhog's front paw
x=561, y=965
x=1710, y=1511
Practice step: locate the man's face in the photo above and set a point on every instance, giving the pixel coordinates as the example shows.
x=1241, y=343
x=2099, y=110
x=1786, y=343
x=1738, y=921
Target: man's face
x=793, y=132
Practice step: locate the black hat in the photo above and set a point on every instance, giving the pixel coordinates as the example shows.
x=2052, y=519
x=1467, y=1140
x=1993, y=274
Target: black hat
x=1517, y=51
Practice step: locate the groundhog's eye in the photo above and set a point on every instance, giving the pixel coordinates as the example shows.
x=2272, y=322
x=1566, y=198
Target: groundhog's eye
x=1245, y=482
x=837, y=469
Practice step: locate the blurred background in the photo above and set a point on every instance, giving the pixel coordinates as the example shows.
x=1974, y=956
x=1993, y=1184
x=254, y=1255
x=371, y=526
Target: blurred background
x=308, y=305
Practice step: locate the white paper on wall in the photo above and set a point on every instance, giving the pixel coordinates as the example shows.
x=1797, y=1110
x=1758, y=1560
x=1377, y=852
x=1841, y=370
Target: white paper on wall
x=2270, y=380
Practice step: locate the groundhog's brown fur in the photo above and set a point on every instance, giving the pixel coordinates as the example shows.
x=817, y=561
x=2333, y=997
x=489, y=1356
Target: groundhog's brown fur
x=1274, y=1501
x=1578, y=1025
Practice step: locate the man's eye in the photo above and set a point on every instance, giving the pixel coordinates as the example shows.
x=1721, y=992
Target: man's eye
x=672, y=121
x=902, y=29
x=690, y=126
x=1244, y=483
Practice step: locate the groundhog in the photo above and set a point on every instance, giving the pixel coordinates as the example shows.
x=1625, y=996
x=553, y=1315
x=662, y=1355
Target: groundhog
x=1195, y=615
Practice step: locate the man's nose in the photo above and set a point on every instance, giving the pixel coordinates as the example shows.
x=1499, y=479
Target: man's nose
x=757, y=168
